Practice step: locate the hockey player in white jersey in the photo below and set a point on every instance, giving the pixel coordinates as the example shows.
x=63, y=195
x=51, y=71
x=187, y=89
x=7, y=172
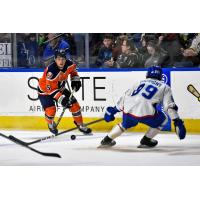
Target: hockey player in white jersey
x=138, y=105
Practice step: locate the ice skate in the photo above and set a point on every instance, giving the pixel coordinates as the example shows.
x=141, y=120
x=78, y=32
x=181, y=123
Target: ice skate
x=107, y=142
x=147, y=143
x=53, y=129
x=84, y=129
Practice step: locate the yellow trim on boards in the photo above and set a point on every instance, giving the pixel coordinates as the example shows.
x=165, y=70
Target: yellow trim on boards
x=39, y=123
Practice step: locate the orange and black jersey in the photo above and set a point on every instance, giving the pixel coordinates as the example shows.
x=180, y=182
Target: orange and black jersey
x=53, y=79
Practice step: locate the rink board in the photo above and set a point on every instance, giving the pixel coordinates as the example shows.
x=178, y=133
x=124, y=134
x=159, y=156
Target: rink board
x=21, y=109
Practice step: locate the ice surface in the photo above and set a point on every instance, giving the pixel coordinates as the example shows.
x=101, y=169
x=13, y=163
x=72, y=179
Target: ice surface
x=84, y=152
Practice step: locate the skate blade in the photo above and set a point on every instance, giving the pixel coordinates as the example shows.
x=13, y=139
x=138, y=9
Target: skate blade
x=104, y=146
x=89, y=134
x=142, y=146
x=86, y=133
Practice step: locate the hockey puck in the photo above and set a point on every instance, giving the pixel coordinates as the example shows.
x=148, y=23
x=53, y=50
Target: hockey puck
x=73, y=137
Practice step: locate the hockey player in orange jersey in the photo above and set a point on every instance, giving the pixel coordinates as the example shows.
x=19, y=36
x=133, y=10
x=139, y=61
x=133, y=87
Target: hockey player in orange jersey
x=51, y=90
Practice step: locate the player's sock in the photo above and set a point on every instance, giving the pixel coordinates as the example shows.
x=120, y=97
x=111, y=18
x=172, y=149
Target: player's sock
x=116, y=131
x=49, y=116
x=152, y=132
x=52, y=127
x=147, y=140
x=108, y=141
x=78, y=120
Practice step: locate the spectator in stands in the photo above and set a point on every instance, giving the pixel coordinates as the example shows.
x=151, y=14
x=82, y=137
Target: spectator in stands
x=27, y=50
x=42, y=37
x=191, y=54
x=69, y=38
x=194, y=49
x=137, y=40
x=157, y=57
x=32, y=50
x=5, y=37
x=105, y=58
x=79, y=39
x=130, y=57
x=54, y=44
x=143, y=49
x=117, y=48
x=21, y=50
x=95, y=43
x=170, y=42
x=186, y=39
x=150, y=37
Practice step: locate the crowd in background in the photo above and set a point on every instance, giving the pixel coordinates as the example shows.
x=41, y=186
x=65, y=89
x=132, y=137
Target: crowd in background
x=37, y=50
x=119, y=50
x=144, y=50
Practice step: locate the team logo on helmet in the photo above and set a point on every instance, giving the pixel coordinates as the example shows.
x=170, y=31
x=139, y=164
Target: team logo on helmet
x=60, y=53
x=164, y=78
x=154, y=72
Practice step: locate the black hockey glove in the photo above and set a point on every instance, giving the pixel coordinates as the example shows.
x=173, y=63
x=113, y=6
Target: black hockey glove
x=65, y=102
x=75, y=83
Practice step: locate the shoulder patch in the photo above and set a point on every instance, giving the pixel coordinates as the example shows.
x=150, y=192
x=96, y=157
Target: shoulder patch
x=52, y=71
x=49, y=75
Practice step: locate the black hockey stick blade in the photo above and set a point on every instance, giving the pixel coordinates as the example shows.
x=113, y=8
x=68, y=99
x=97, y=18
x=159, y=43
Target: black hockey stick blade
x=19, y=142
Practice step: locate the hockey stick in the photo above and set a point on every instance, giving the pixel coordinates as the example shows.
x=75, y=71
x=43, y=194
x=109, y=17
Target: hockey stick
x=26, y=144
x=64, y=109
x=15, y=140
x=193, y=91
x=53, y=136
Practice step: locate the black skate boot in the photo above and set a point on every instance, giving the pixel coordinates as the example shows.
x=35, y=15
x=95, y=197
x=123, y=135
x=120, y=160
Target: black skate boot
x=53, y=129
x=147, y=142
x=107, y=142
x=84, y=129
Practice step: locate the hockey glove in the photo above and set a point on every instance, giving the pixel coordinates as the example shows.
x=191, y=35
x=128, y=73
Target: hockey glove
x=65, y=102
x=179, y=128
x=109, y=114
x=76, y=83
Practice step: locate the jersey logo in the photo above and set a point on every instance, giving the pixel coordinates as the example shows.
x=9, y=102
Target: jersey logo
x=49, y=75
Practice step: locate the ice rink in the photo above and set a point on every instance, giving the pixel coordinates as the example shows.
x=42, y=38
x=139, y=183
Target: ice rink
x=84, y=152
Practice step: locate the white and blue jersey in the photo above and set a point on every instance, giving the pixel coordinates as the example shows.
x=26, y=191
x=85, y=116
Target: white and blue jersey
x=139, y=102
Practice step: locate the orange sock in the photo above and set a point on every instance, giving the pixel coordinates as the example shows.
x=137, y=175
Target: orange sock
x=50, y=114
x=76, y=113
